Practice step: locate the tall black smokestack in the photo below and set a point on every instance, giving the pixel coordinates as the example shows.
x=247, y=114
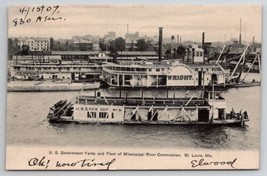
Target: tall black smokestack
x=203, y=39
x=160, y=43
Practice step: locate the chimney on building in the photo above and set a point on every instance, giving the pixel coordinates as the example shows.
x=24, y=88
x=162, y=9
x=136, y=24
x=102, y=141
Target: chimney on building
x=160, y=43
x=180, y=39
x=127, y=28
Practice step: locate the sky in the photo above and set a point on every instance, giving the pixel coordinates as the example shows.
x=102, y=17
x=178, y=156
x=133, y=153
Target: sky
x=220, y=23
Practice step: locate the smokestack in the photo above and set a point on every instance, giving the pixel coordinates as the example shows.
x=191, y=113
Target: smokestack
x=253, y=41
x=178, y=38
x=160, y=43
x=203, y=39
x=127, y=28
x=193, y=55
x=240, y=30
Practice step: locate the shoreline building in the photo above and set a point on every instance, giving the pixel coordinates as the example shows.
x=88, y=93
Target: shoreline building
x=35, y=43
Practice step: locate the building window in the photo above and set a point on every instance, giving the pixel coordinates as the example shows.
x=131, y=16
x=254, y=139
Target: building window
x=157, y=69
x=112, y=115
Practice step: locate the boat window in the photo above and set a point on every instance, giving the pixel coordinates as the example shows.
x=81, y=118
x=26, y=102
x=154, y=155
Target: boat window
x=143, y=69
x=91, y=114
x=150, y=69
x=103, y=115
x=157, y=69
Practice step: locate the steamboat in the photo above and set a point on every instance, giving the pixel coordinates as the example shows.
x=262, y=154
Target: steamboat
x=210, y=109
x=167, y=73
x=192, y=71
x=75, y=66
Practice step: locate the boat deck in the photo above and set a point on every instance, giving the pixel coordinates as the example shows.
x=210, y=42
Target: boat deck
x=134, y=101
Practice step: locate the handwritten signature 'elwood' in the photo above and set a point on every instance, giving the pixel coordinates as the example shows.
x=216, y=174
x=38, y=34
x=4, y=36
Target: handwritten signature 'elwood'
x=202, y=162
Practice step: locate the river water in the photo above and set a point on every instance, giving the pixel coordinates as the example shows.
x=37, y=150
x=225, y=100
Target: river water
x=27, y=125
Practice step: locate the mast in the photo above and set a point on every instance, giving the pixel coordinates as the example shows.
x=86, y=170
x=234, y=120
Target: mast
x=242, y=68
x=240, y=30
x=242, y=57
x=220, y=54
x=160, y=43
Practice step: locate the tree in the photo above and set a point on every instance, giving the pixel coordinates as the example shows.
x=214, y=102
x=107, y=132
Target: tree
x=119, y=44
x=112, y=47
x=168, y=53
x=142, y=45
x=181, y=51
x=82, y=47
x=57, y=46
x=10, y=48
x=13, y=47
x=102, y=44
x=25, y=50
x=132, y=47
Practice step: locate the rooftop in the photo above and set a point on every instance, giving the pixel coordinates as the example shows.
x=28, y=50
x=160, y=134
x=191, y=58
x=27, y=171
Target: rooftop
x=33, y=38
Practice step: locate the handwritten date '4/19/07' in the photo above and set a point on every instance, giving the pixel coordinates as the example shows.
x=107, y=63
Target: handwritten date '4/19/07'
x=38, y=14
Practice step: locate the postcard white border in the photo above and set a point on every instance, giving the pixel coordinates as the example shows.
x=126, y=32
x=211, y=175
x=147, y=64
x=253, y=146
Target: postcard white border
x=3, y=50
